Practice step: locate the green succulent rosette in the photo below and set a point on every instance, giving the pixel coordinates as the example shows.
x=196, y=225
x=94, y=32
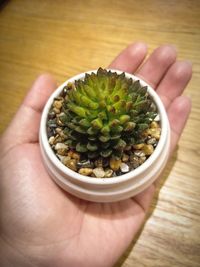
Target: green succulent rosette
x=105, y=113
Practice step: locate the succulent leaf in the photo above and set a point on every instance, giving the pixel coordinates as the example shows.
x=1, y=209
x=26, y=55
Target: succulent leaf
x=81, y=148
x=92, y=146
x=106, y=153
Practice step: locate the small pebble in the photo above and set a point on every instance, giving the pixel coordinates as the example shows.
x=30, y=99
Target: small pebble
x=135, y=161
x=145, y=133
x=151, y=141
x=108, y=173
x=61, y=146
x=139, y=153
x=61, y=149
x=124, y=167
x=71, y=163
x=85, y=171
x=57, y=104
x=57, y=139
x=56, y=110
x=148, y=149
x=138, y=146
x=115, y=164
x=58, y=130
x=99, y=172
x=154, y=124
x=70, y=152
x=62, y=152
x=142, y=160
x=51, y=115
x=125, y=157
x=157, y=118
x=157, y=136
x=59, y=122
x=51, y=140
x=75, y=155
x=64, y=159
x=85, y=164
x=155, y=132
x=63, y=136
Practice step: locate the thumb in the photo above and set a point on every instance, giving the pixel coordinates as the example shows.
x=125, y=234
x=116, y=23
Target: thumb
x=25, y=125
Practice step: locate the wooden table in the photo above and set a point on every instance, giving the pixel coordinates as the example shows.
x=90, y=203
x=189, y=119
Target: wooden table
x=68, y=37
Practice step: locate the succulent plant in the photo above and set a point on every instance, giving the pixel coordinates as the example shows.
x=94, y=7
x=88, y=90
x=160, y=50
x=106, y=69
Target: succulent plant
x=105, y=113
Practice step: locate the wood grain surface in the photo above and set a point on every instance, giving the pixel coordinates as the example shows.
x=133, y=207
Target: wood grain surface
x=69, y=37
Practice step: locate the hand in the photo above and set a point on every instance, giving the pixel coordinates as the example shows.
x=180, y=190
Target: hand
x=40, y=224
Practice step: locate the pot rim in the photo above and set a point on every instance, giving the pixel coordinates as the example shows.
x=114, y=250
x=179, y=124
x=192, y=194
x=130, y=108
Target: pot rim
x=112, y=180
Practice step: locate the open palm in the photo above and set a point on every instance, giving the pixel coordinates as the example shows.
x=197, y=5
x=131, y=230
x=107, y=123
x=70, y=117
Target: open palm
x=40, y=224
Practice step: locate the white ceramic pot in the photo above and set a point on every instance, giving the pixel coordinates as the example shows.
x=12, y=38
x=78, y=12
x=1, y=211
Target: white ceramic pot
x=107, y=189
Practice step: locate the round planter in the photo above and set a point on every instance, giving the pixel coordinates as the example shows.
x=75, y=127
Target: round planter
x=107, y=189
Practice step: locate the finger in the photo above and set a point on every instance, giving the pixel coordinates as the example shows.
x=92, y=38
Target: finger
x=174, y=82
x=25, y=125
x=178, y=114
x=157, y=64
x=130, y=58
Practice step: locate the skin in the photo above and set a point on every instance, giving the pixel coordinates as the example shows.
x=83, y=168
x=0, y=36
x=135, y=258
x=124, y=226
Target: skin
x=40, y=224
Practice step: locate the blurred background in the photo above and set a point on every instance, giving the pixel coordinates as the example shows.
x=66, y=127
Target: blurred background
x=69, y=37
